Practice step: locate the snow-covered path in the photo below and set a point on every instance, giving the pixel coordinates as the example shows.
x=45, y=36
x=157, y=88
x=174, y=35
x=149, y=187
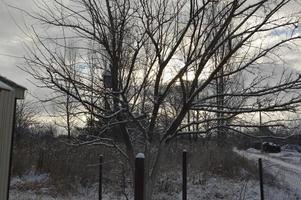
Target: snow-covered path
x=287, y=169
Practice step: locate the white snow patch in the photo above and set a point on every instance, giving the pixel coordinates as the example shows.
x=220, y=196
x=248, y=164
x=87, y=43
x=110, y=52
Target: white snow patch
x=30, y=177
x=140, y=155
x=251, y=150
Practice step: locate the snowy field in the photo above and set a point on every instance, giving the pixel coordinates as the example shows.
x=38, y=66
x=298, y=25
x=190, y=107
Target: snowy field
x=286, y=165
x=214, y=189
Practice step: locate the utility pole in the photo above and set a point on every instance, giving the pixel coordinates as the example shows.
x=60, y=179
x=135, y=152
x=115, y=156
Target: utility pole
x=260, y=117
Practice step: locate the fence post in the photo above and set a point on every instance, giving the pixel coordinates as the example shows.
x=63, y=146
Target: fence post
x=261, y=179
x=139, y=177
x=100, y=177
x=184, y=175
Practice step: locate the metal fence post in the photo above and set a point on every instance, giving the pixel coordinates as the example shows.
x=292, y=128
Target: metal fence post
x=100, y=177
x=139, y=177
x=261, y=179
x=184, y=175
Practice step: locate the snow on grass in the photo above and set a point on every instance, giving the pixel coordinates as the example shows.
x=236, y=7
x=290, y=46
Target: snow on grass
x=82, y=193
x=34, y=186
x=213, y=188
x=29, y=177
x=285, y=166
x=30, y=195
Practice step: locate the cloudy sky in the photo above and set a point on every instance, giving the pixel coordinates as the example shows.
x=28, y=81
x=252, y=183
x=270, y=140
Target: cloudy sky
x=12, y=41
x=12, y=49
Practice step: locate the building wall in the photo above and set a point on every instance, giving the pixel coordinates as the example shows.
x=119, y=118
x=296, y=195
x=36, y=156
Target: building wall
x=7, y=100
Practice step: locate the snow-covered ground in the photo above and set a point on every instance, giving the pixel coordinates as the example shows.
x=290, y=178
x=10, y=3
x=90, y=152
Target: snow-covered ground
x=215, y=189
x=285, y=166
x=211, y=188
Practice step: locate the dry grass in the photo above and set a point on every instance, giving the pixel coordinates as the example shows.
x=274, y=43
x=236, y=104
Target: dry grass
x=69, y=166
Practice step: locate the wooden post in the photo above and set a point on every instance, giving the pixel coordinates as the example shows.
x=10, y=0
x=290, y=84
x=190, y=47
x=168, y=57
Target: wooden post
x=139, y=177
x=261, y=179
x=184, y=175
x=100, y=177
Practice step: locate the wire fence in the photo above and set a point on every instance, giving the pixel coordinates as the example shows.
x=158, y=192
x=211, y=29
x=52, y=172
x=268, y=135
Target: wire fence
x=281, y=179
x=277, y=180
x=211, y=173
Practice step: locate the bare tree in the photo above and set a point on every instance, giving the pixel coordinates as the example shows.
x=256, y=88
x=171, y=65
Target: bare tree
x=58, y=104
x=62, y=109
x=64, y=103
x=149, y=48
x=26, y=114
x=25, y=118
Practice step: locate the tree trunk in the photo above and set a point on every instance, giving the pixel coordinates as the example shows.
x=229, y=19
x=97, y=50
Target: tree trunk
x=152, y=170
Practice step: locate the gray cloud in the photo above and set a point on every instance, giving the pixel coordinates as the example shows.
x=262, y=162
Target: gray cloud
x=12, y=42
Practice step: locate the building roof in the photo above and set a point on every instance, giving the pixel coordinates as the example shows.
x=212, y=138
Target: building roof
x=3, y=86
x=6, y=84
x=11, y=83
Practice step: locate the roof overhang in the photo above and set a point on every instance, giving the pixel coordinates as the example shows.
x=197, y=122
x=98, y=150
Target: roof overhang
x=9, y=85
x=4, y=86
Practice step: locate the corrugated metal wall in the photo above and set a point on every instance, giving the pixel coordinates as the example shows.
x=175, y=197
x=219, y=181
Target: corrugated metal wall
x=7, y=99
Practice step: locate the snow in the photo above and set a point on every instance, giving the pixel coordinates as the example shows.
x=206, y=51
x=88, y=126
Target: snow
x=251, y=150
x=31, y=177
x=199, y=188
x=291, y=148
x=140, y=155
x=285, y=166
x=31, y=195
x=214, y=188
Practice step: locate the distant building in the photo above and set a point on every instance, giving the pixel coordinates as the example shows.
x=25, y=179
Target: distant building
x=9, y=93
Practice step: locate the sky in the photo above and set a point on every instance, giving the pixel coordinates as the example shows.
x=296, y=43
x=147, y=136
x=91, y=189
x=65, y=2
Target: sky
x=12, y=49
x=12, y=41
